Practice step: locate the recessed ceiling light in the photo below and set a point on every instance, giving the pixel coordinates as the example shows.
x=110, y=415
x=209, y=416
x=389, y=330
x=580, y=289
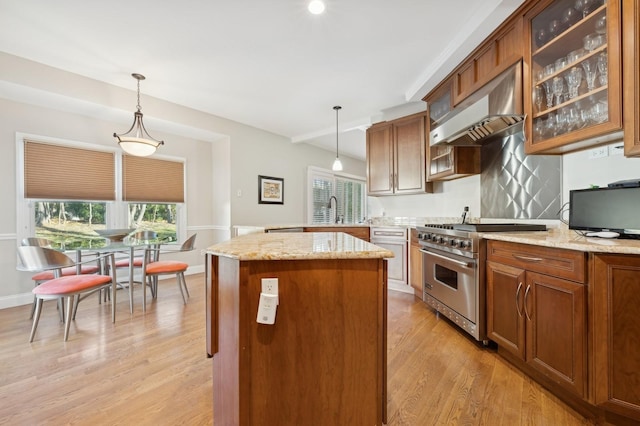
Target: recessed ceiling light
x=316, y=7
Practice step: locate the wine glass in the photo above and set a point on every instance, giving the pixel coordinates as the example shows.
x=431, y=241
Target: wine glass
x=558, y=88
x=602, y=65
x=539, y=94
x=555, y=28
x=601, y=24
x=574, y=78
x=548, y=88
x=589, y=73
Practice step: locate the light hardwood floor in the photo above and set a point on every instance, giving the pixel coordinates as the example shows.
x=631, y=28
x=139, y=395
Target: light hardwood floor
x=151, y=369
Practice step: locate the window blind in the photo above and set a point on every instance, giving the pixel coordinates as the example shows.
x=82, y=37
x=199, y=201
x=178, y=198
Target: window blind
x=322, y=190
x=151, y=180
x=58, y=172
x=349, y=193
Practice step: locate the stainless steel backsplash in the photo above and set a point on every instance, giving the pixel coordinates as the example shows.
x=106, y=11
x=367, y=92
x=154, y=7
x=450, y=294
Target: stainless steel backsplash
x=519, y=186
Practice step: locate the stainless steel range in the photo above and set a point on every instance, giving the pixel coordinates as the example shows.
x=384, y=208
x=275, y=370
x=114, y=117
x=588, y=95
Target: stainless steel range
x=453, y=257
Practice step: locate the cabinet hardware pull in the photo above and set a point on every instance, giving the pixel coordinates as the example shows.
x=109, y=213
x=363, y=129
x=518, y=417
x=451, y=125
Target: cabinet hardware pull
x=517, y=298
x=457, y=262
x=528, y=258
x=526, y=295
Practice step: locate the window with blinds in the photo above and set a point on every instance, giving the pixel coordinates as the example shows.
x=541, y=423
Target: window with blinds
x=152, y=180
x=68, y=173
x=350, y=195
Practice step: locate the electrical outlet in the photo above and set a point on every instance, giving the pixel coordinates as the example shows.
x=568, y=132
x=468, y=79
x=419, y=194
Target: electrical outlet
x=601, y=151
x=270, y=286
x=616, y=149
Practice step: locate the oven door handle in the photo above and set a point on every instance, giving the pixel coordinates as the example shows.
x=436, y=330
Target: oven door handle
x=457, y=262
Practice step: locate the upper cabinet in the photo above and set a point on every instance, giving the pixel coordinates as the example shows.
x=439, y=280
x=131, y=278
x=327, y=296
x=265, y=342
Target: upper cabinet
x=501, y=50
x=445, y=162
x=396, y=156
x=631, y=76
x=572, y=74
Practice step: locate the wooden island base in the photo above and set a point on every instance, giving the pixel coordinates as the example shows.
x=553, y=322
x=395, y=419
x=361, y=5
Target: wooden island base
x=323, y=362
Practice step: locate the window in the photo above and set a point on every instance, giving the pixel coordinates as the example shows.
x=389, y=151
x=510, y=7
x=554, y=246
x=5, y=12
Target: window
x=348, y=190
x=67, y=190
x=161, y=218
x=70, y=225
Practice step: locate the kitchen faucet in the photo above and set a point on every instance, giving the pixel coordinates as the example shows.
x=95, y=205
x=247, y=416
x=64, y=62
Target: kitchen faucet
x=333, y=197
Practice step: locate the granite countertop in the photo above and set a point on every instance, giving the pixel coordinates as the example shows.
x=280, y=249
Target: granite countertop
x=567, y=239
x=298, y=246
x=318, y=225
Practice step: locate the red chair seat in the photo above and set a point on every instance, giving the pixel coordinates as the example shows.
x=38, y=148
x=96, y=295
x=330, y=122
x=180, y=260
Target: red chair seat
x=71, y=284
x=166, y=267
x=48, y=275
x=124, y=263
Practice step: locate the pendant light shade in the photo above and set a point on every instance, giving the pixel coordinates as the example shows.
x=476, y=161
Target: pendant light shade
x=337, y=164
x=137, y=141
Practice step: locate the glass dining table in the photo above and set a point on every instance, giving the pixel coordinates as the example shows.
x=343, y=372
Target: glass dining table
x=127, y=248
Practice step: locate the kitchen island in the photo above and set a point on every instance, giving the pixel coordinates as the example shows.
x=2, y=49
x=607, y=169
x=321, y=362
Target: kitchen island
x=323, y=361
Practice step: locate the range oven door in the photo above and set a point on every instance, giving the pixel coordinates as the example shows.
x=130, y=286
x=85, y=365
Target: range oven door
x=452, y=280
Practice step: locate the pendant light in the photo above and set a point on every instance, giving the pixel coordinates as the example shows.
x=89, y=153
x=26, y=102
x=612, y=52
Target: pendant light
x=137, y=141
x=337, y=164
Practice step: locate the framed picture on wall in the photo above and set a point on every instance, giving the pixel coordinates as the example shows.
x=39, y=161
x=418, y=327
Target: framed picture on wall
x=270, y=190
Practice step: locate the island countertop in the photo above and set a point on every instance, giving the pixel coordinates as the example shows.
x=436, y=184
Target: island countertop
x=298, y=245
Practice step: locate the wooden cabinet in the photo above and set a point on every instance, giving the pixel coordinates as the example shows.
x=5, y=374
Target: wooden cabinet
x=631, y=75
x=324, y=359
x=537, y=311
x=445, y=162
x=572, y=75
x=415, y=264
x=616, y=335
x=496, y=54
x=396, y=156
x=453, y=162
x=361, y=232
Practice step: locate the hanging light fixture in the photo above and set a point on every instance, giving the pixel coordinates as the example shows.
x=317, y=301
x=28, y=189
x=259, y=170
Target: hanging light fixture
x=137, y=141
x=337, y=164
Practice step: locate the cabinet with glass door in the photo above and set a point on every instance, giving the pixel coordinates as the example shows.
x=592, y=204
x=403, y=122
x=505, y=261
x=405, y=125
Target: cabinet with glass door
x=573, y=74
x=447, y=162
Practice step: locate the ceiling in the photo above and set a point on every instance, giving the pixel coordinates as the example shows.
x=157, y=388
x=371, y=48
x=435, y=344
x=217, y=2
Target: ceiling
x=269, y=64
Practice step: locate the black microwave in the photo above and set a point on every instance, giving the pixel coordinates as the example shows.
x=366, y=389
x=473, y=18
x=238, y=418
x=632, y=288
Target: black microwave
x=615, y=209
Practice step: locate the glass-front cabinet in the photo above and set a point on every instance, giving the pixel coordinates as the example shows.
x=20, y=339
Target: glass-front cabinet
x=573, y=74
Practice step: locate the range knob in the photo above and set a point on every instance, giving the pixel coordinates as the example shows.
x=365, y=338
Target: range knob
x=441, y=240
x=464, y=244
x=453, y=243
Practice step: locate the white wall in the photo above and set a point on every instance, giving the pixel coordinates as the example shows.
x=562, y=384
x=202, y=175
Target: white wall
x=222, y=156
x=578, y=170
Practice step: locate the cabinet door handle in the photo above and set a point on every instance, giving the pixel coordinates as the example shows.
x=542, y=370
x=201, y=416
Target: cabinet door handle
x=526, y=295
x=528, y=258
x=518, y=298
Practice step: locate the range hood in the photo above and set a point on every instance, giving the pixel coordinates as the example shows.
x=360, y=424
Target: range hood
x=495, y=110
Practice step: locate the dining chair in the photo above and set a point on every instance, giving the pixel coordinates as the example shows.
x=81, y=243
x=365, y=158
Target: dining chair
x=70, y=287
x=144, y=237
x=43, y=276
x=153, y=267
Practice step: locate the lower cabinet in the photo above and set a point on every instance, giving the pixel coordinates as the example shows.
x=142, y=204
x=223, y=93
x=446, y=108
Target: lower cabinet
x=536, y=316
x=415, y=264
x=616, y=335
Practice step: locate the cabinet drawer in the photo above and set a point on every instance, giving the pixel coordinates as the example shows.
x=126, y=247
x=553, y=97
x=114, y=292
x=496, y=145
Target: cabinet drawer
x=567, y=264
